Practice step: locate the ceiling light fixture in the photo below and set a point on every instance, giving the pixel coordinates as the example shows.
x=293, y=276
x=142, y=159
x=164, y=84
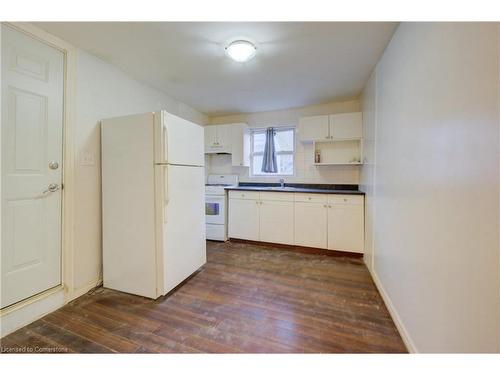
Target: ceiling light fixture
x=241, y=50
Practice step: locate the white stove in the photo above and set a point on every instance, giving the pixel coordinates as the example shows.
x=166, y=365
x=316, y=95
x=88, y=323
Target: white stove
x=216, y=205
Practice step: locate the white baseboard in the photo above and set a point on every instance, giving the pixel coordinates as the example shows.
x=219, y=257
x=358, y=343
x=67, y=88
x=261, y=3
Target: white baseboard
x=394, y=314
x=26, y=312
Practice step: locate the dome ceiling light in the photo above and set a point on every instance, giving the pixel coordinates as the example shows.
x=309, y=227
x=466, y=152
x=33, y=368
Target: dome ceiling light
x=241, y=50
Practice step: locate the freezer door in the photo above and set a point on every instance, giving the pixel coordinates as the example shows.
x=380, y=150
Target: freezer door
x=178, y=141
x=181, y=217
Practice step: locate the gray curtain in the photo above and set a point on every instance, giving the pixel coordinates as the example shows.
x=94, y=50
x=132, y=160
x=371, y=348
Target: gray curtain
x=269, y=164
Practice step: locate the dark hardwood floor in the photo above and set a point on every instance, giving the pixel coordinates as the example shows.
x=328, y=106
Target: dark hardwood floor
x=247, y=299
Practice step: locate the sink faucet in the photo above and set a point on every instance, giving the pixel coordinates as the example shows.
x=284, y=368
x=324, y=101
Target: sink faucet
x=282, y=182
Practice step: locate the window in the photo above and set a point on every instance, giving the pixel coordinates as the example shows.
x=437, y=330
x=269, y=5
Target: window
x=284, y=143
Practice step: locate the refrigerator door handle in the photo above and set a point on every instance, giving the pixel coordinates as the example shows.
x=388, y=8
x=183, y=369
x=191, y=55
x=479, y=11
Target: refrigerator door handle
x=166, y=197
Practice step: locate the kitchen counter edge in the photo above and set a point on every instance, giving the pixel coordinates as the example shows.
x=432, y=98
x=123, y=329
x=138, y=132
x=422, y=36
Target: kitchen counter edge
x=295, y=190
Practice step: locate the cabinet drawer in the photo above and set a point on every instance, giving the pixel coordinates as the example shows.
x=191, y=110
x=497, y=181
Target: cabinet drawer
x=241, y=194
x=310, y=197
x=271, y=196
x=345, y=199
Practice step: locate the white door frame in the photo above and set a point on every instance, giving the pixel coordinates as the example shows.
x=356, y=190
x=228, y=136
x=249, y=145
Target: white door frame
x=68, y=178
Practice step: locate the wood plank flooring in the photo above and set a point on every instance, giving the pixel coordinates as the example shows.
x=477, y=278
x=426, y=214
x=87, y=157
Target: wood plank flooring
x=248, y=298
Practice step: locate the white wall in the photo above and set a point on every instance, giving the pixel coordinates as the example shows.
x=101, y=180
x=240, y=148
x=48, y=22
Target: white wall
x=103, y=91
x=436, y=184
x=367, y=175
x=305, y=170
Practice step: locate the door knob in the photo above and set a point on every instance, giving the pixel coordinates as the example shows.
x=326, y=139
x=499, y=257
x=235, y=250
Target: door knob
x=52, y=188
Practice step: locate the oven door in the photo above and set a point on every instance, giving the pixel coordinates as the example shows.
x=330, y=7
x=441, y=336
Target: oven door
x=215, y=209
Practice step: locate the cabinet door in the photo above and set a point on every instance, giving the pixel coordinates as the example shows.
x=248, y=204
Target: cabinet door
x=313, y=128
x=346, y=126
x=243, y=219
x=224, y=137
x=240, y=146
x=276, y=222
x=311, y=224
x=210, y=138
x=346, y=227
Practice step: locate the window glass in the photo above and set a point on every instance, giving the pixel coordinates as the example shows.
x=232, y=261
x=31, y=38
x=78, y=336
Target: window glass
x=284, y=142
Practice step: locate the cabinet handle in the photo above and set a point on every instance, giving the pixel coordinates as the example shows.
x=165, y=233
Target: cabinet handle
x=309, y=198
x=329, y=206
x=324, y=205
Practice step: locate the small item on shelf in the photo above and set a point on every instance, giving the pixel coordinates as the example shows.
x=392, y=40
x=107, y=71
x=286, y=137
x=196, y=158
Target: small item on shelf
x=317, y=157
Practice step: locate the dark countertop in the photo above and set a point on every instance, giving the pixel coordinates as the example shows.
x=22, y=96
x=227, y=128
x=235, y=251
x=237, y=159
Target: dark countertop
x=299, y=188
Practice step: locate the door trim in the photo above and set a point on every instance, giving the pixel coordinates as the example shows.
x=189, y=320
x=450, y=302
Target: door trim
x=68, y=172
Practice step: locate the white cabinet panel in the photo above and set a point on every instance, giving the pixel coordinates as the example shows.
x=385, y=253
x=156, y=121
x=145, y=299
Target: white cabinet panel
x=345, y=227
x=243, y=219
x=313, y=128
x=311, y=197
x=311, y=224
x=345, y=199
x=242, y=194
x=276, y=222
x=217, y=139
x=240, y=145
x=230, y=139
x=275, y=196
x=346, y=126
x=210, y=138
x=224, y=137
x=334, y=222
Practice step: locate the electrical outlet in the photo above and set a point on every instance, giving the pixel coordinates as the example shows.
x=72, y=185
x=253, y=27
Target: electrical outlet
x=87, y=158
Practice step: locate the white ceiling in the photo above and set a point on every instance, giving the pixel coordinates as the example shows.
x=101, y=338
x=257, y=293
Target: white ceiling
x=297, y=63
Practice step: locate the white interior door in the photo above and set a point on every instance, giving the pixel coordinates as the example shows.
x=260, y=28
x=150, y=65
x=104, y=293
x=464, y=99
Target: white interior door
x=32, y=119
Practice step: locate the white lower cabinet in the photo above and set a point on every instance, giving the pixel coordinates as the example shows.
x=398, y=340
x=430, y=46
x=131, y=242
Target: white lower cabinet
x=346, y=224
x=334, y=222
x=311, y=224
x=276, y=221
x=243, y=219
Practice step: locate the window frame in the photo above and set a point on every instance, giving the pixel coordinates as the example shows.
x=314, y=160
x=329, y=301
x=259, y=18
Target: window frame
x=252, y=153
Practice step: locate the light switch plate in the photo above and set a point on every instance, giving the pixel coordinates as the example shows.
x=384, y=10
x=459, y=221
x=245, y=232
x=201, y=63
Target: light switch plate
x=87, y=158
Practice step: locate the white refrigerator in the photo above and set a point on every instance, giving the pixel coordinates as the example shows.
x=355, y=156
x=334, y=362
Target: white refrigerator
x=153, y=211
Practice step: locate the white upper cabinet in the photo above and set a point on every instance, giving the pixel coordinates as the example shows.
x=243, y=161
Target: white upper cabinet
x=342, y=126
x=210, y=138
x=217, y=139
x=314, y=128
x=231, y=139
x=240, y=145
x=224, y=137
x=345, y=126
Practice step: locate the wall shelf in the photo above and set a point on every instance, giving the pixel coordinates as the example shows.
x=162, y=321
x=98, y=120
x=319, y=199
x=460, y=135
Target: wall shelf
x=354, y=163
x=339, y=152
